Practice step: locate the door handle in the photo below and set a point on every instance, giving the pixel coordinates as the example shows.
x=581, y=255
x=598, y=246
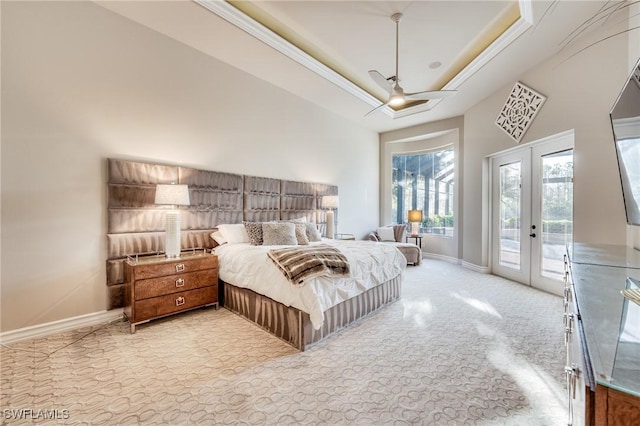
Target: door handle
x=532, y=235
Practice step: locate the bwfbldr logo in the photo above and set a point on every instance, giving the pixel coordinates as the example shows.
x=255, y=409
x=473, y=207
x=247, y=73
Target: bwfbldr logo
x=34, y=414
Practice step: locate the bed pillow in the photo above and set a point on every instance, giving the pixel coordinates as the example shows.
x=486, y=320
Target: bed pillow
x=312, y=232
x=301, y=233
x=254, y=231
x=279, y=234
x=234, y=233
x=386, y=233
x=218, y=238
x=373, y=236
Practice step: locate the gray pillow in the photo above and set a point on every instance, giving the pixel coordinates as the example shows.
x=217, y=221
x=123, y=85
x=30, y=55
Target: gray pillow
x=312, y=232
x=279, y=234
x=301, y=233
x=254, y=231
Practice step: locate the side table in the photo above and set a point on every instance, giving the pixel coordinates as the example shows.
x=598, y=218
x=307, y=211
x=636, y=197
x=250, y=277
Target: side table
x=418, y=239
x=345, y=237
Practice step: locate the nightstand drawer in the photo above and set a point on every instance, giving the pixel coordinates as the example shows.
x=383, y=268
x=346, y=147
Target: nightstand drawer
x=153, y=287
x=175, y=267
x=164, y=305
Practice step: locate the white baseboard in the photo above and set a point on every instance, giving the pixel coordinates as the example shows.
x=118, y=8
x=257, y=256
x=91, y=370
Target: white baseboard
x=54, y=327
x=442, y=257
x=477, y=268
x=467, y=265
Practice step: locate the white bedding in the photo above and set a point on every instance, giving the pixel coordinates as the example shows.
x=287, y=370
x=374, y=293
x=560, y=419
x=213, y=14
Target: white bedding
x=370, y=263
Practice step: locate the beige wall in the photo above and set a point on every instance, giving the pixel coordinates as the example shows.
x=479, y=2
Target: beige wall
x=580, y=93
x=81, y=84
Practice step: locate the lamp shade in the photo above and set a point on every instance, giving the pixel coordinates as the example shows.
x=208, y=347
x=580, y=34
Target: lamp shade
x=415, y=215
x=176, y=195
x=330, y=201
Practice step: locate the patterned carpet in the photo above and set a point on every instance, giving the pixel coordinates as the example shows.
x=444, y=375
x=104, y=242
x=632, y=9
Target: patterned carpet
x=459, y=348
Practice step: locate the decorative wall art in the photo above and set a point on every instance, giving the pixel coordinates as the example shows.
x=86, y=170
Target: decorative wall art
x=518, y=112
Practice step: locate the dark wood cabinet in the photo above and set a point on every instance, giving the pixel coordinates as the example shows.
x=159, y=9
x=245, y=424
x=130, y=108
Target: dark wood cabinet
x=156, y=286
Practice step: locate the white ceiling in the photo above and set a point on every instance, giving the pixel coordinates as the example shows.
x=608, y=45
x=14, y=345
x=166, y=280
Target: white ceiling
x=340, y=41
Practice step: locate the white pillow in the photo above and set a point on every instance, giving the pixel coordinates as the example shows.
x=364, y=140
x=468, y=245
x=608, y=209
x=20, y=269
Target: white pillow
x=218, y=238
x=386, y=234
x=234, y=233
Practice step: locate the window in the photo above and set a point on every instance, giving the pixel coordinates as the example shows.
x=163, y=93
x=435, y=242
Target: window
x=424, y=181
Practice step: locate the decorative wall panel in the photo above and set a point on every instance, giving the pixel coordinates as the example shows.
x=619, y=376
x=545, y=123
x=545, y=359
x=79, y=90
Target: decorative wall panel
x=261, y=199
x=519, y=110
x=297, y=200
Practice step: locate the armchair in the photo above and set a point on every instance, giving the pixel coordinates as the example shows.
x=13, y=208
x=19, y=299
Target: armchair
x=395, y=234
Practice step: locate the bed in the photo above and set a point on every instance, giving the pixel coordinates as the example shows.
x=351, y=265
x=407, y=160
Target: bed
x=301, y=315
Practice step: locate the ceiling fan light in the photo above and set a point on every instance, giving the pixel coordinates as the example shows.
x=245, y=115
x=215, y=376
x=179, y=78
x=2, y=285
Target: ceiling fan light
x=396, y=100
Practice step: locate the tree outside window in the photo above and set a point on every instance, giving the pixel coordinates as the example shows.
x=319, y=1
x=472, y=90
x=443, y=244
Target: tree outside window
x=424, y=181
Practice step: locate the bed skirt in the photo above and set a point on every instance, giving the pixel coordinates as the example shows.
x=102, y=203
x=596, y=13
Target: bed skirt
x=294, y=326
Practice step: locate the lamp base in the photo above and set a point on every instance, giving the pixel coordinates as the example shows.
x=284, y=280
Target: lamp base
x=415, y=229
x=172, y=234
x=330, y=232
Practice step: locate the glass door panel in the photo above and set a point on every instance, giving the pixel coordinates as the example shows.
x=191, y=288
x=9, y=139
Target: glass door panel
x=510, y=214
x=552, y=211
x=556, y=211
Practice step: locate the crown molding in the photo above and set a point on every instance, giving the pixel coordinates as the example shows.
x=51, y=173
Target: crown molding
x=235, y=17
x=262, y=33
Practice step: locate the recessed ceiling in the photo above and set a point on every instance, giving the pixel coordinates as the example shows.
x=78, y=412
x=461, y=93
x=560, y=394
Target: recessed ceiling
x=300, y=31
x=304, y=24
x=482, y=46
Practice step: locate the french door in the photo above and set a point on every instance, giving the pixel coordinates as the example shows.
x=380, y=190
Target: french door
x=532, y=212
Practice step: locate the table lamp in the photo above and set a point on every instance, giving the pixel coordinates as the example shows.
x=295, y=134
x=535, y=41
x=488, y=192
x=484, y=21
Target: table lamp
x=330, y=202
x=415, y=217
x=173, y=195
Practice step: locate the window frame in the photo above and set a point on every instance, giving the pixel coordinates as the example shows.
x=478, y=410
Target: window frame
x=443, y=231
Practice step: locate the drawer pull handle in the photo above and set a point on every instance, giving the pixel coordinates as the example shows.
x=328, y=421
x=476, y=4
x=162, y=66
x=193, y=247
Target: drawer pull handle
x=180, y=282
x=180, y=267
x=180, y=301
x=572, y=373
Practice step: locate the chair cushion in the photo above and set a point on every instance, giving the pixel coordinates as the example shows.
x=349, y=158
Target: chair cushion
x=411, y=252
x=398, y=232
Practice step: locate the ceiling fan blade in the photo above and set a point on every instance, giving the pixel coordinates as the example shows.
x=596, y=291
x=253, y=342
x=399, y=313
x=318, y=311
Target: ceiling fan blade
x=376, y=108
x=379, y=78
x=430, y=94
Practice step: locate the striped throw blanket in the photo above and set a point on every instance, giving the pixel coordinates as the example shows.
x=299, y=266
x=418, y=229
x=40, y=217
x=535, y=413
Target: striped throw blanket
x=302, y=263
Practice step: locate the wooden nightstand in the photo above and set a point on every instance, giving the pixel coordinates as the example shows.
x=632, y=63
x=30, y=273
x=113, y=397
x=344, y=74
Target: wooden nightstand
x=156, y=286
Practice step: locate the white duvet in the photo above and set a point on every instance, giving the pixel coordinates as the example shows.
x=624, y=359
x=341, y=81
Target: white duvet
x=370, y=264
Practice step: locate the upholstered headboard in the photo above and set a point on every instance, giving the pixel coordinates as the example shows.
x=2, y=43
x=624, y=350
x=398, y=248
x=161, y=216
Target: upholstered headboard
x=136, y=224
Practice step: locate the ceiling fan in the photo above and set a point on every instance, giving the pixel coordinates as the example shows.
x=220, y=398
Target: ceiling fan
x=397, y=97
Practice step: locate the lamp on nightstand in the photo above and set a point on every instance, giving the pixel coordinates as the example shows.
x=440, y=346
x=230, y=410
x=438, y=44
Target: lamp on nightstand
x=415, y=217
x=173, y=195
x=330, y=202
